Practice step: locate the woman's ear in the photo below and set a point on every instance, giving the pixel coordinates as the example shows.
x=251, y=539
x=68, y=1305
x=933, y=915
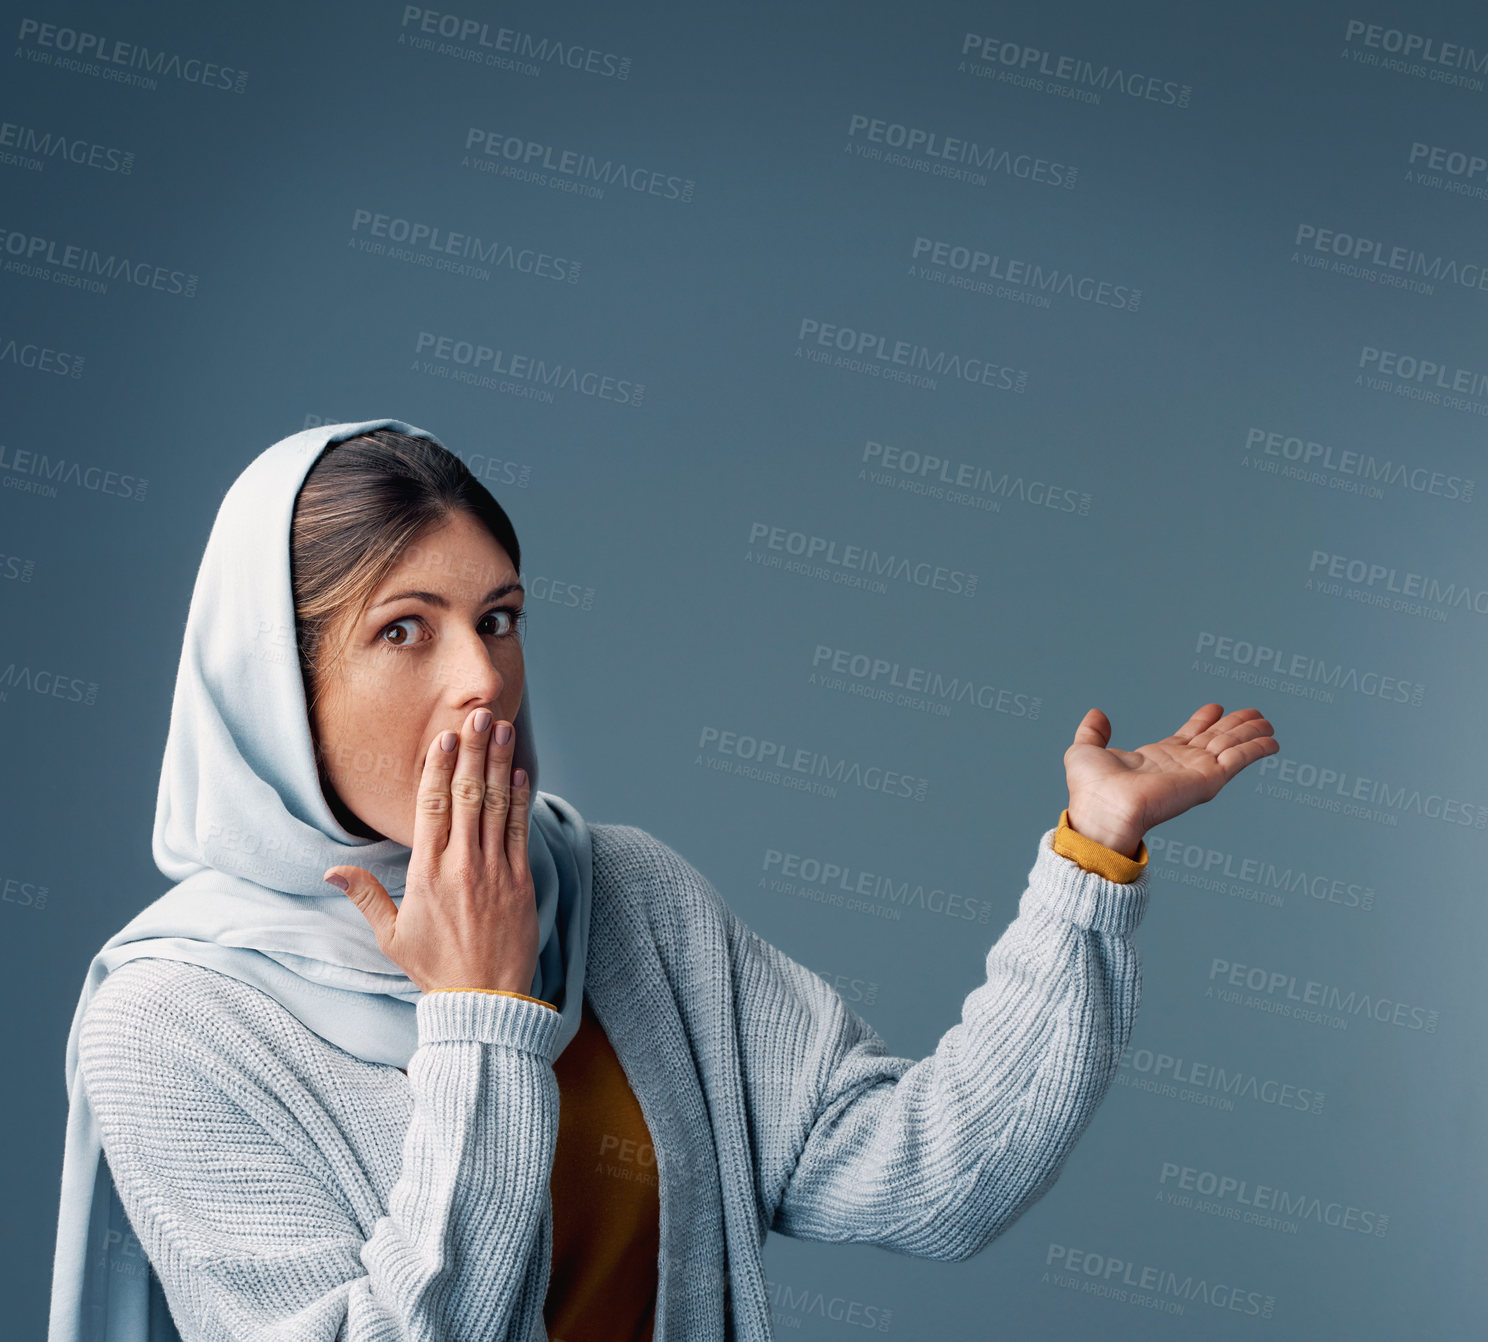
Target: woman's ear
x=524, y=751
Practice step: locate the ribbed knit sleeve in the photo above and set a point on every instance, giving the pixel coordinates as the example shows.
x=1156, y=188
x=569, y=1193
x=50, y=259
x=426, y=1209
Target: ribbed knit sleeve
x=248, y=1202
x=937, y=1157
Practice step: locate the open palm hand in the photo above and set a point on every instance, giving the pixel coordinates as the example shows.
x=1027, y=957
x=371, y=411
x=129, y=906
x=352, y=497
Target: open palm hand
x=1116, y=796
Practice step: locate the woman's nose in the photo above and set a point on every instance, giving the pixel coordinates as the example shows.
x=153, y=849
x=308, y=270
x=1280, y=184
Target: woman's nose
x=468, y=673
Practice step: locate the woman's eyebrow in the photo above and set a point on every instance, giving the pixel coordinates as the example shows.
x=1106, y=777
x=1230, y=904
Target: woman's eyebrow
x=434, y=599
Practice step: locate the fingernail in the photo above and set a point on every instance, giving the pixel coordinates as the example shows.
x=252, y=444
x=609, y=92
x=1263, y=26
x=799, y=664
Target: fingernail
x=503, y=733
x=519, y=777
x=482, y=720
x=339, y=881
x=449, y=741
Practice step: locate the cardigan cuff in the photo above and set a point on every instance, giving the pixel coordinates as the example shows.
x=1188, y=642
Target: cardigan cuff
x=508, y=992
x=1086, y=898
x=516, y=1021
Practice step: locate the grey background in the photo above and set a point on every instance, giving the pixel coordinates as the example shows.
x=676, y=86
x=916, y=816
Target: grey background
x=638, y=519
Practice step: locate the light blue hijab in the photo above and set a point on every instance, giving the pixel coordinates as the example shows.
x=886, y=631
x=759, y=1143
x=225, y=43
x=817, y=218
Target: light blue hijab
x=243, y=828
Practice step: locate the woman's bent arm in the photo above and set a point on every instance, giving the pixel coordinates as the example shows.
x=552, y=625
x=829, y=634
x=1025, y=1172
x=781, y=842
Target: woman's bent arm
x=936, y=1157
x=249, y=1206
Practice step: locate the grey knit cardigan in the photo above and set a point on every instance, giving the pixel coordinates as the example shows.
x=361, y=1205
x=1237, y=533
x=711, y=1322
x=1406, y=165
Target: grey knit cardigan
x=284, y=1189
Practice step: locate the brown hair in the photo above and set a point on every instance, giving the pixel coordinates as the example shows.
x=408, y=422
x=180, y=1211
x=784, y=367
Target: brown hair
x=361, y=503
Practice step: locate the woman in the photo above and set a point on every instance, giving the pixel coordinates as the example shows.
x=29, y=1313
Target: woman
x=337, y=1115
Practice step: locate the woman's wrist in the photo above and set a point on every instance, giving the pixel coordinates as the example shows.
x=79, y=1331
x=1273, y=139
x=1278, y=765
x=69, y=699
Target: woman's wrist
x=1119, y=838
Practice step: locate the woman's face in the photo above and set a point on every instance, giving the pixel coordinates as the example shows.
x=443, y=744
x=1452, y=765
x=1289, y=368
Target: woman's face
x=436, y=640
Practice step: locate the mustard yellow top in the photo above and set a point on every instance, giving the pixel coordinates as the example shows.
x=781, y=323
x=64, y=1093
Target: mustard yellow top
x=606, y=1200
x=1097, y=857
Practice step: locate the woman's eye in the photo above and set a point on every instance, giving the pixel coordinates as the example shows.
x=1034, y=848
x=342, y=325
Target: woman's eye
x=396, y=628
x=506, y=620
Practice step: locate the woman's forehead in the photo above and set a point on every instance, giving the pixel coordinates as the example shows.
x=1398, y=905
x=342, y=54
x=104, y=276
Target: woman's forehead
x=457, y=560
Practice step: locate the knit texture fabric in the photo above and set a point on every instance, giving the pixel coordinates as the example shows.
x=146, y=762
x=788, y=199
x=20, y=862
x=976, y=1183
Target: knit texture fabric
x=285, y=1189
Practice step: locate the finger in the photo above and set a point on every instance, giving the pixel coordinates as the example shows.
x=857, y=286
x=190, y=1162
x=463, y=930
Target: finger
x=468, y=786
x=431, y=816
x=516, y=822
x=498, y=788
x=1234, y=758
x=1226, y=724
x=1201, y=721
x=1245, y=731
x=365, y=891
x=1094, y=730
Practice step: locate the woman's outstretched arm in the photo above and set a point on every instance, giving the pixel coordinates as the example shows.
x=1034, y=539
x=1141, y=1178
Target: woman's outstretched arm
x=937, y=1157
x=248, y=1201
